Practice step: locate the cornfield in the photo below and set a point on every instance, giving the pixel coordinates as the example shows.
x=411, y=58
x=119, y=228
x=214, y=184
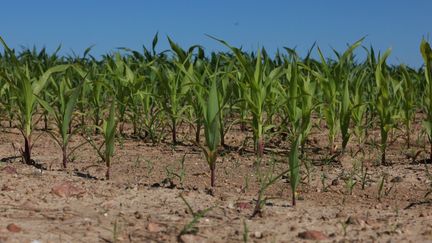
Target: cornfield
x=148, y=95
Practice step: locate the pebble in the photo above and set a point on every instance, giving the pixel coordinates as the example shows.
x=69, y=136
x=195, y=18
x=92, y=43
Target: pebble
x=396, y=179
x=9, y=170
x=335, y=182
x=243, y=205
x=155, y=227
x=138, y=215
x=340, y=215
x=312, y=235
x=66, y=189
x=258, y=235
x=13, y=228
x=192, y=239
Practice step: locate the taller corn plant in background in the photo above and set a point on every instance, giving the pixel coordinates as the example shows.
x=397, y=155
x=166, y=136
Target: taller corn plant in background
x=44, y=61
x=239, y=94
x=26, y=87
x=426, y=53
x=407, y=93
x=369, y=92
x=358, y=102
x=144, y=109
x=298, y=95
x=7, y=97
x=259, y=87
x=385, y=97
x=329, y=94
x=196, y=74
x=201, y=75
x=95, y=90
x=259, y=81
x=336, y=104
x=82, y=66
x=224, y=70
x=274, y=98
x=174, y=87
x=123, y=81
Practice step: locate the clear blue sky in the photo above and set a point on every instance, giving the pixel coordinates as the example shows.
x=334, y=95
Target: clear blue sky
x=274, y=24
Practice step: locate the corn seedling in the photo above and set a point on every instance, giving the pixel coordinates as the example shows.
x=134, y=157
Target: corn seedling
x=108, y=130
x=350, y=182
x=408, y=98
x=62, y=109
x=26, y=87
x=385, y=107
x=210, y=109
x=294, y=168
x=258, y=82
x=190, y=228
x=174, y=86
x=381, y=187
x=180, y=175
x=334, y=80
x=265, y=180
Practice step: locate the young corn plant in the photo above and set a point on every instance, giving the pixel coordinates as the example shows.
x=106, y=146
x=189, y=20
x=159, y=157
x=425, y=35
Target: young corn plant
x=426, y=53
x=190, y=228
x=8, y=101
x=329, y=96
x=408, y=97
x=62, y=109
x=299, y=91
x=26, y=88
x=359, y=105
x=335, y=82
x=269, y=178
x=294, y=167
x=174, y=85
x=259, y=80
x=385, y=107
x=197, y=74
x=108, y=131
x=97, y=89
x=211, y=129
x=225, y=92
x=308, y=89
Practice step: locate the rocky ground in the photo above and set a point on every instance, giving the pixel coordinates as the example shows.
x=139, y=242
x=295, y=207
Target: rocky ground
x=343, y=198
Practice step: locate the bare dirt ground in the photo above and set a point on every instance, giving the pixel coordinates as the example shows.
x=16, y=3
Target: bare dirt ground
x=142, y=203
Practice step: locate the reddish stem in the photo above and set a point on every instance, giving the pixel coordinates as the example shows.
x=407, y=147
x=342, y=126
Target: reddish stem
x=293, y=199
x=174, y=132
x=212, y=174
x=27, y=150
x=260, y=147
x=108, y=171
x=65, y=160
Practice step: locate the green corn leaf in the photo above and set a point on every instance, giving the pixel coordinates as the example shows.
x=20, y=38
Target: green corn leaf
x=68, y=112
x=109, y=129
x=41, y=83
x=213, y=133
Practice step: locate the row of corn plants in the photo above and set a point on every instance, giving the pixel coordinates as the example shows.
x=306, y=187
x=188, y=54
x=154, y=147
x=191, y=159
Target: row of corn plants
x=160, y=93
